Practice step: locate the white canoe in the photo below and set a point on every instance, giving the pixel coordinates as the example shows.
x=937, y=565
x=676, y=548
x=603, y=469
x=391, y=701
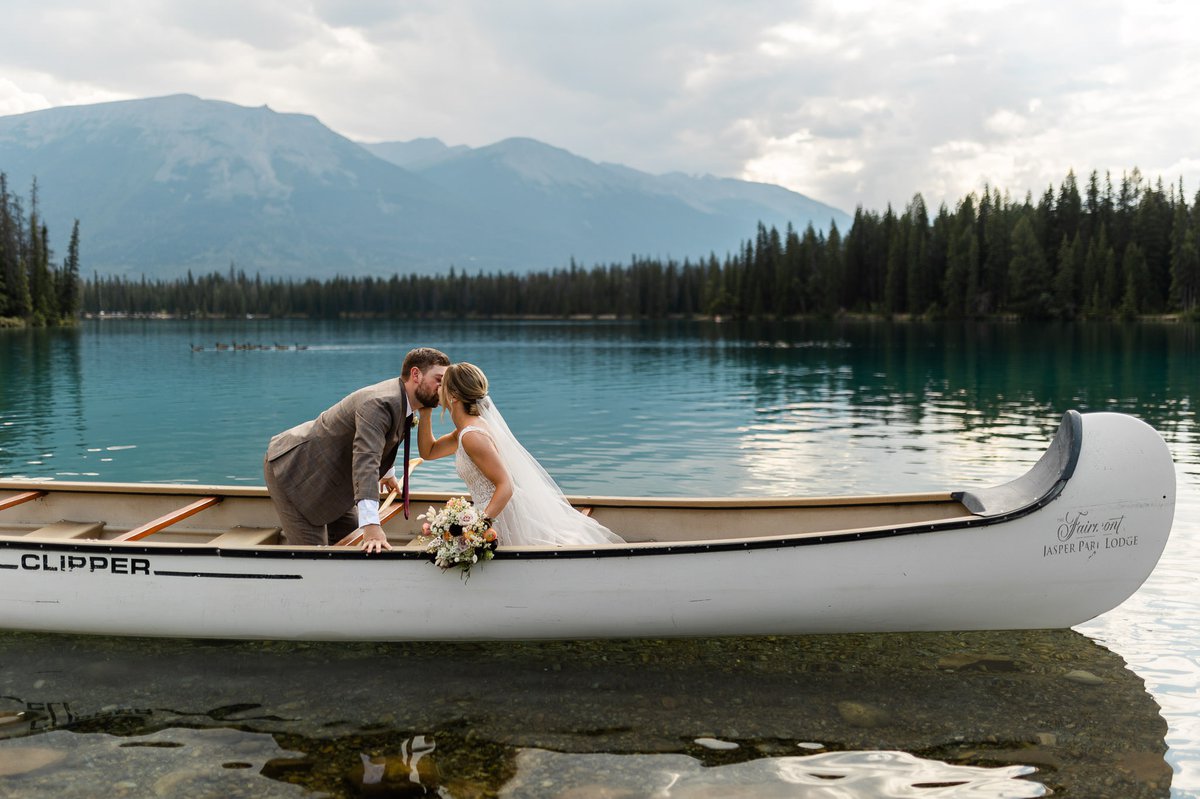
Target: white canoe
x=1070, y=539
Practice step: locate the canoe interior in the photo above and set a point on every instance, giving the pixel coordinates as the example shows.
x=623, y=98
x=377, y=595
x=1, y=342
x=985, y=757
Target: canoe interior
x=245, y=517
x=233, y=516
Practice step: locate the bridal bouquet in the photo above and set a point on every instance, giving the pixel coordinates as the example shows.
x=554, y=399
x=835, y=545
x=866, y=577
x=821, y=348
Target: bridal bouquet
x=457, y=535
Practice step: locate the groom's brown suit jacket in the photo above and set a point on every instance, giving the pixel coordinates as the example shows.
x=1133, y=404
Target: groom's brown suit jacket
x=326, y=465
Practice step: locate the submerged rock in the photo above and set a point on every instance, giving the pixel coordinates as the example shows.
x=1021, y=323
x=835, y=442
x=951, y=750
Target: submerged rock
x=24, y=759
x=965, y=661
x=1083, y=677
x=860, y=714
x=716, y=743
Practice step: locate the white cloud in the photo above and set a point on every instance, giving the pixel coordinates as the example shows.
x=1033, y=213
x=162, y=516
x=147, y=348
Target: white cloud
x=849, y=101
x=16, y=100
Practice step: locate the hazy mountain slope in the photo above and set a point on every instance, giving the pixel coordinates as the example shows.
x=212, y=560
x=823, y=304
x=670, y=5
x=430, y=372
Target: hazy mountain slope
x=174, y=183
x=177, y=182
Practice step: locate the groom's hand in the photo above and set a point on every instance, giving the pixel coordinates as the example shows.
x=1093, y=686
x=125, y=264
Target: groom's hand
x=374, y=539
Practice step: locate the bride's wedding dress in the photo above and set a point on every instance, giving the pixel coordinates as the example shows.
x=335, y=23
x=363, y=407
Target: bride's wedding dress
x=538, y=514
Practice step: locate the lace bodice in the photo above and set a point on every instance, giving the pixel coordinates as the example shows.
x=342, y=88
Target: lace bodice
x=480, y=487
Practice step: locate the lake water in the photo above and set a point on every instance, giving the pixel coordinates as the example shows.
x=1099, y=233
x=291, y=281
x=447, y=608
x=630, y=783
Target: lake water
x=671, y=408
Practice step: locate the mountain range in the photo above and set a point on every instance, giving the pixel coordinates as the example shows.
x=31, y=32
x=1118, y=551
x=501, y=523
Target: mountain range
x=168, y=184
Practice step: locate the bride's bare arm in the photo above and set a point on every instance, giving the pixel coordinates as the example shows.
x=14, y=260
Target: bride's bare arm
x=483, y=452
x=429, y=447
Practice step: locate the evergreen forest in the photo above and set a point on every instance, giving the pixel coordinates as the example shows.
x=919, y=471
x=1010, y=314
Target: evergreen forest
x=33, y=290
x=1099, y=252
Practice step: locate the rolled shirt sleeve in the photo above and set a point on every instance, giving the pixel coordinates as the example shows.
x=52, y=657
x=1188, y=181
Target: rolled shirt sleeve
x=368, y=512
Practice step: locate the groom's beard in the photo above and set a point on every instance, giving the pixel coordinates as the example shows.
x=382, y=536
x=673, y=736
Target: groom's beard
x=428, y=399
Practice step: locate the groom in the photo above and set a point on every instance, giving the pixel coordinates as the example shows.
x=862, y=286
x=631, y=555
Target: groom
x=324, y=475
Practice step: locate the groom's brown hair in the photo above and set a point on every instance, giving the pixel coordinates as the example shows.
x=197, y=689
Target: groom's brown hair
x=422, y=358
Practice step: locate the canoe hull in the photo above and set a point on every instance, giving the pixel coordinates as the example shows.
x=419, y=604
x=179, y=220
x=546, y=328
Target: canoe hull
x=1066, y=559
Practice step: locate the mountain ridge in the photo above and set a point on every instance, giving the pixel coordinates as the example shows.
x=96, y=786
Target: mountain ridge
x=164, y=185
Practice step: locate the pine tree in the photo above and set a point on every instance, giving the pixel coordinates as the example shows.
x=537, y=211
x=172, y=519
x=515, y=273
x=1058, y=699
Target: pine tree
x=831, y=272
x=68, y=285
x=1069, y=210
x=954, y=284
x=918, y=272
x=1066, y=279
x=895, y=280
x=1185, y=273
x=1109, y=282
x=1151, y=231
x=1137, y=281
x=1029, y=274
x=996, y=254
x=12, y=252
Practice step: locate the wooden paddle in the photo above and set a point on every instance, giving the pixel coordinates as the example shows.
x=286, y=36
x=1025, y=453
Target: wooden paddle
x=386, y=511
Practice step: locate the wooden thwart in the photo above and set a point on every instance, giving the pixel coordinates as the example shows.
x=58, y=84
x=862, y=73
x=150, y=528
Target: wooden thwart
x=17, y=499
x=245, y=537
x=163, y=522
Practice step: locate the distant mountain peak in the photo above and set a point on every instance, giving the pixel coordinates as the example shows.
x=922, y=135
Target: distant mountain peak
x=166, y=184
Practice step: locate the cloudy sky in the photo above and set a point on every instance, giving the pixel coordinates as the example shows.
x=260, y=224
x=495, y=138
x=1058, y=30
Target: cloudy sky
x=848, y=101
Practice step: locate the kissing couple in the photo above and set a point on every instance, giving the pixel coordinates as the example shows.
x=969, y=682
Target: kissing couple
x=324, y=475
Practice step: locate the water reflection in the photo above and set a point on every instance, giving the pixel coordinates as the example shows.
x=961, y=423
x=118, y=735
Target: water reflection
x=41, y=397
x=971, y=714
x=610, y=407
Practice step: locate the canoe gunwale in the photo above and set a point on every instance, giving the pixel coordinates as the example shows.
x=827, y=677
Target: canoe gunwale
x=1049, y=476
x=418, y=497
x=275, y=552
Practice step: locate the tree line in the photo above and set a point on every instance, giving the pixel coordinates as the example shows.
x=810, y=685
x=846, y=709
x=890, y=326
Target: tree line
x=33, y=289
x=1101, y=252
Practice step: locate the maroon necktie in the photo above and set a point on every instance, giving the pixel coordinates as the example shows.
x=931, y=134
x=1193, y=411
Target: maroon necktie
x=407, y=431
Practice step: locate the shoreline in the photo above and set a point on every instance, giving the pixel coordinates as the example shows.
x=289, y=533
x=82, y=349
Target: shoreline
x=16, y=323
x=1167, y=318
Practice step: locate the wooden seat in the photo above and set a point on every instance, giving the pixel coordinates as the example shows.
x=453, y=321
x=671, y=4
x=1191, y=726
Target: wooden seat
x=65, y=530
x=245, y=537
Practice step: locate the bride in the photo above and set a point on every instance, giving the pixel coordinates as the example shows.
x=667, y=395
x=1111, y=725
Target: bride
x=525, y=505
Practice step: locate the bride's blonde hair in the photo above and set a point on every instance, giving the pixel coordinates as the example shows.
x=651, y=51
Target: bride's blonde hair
x=466, y=383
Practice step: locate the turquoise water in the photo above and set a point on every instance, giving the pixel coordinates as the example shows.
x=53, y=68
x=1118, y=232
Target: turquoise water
x=670, y=408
